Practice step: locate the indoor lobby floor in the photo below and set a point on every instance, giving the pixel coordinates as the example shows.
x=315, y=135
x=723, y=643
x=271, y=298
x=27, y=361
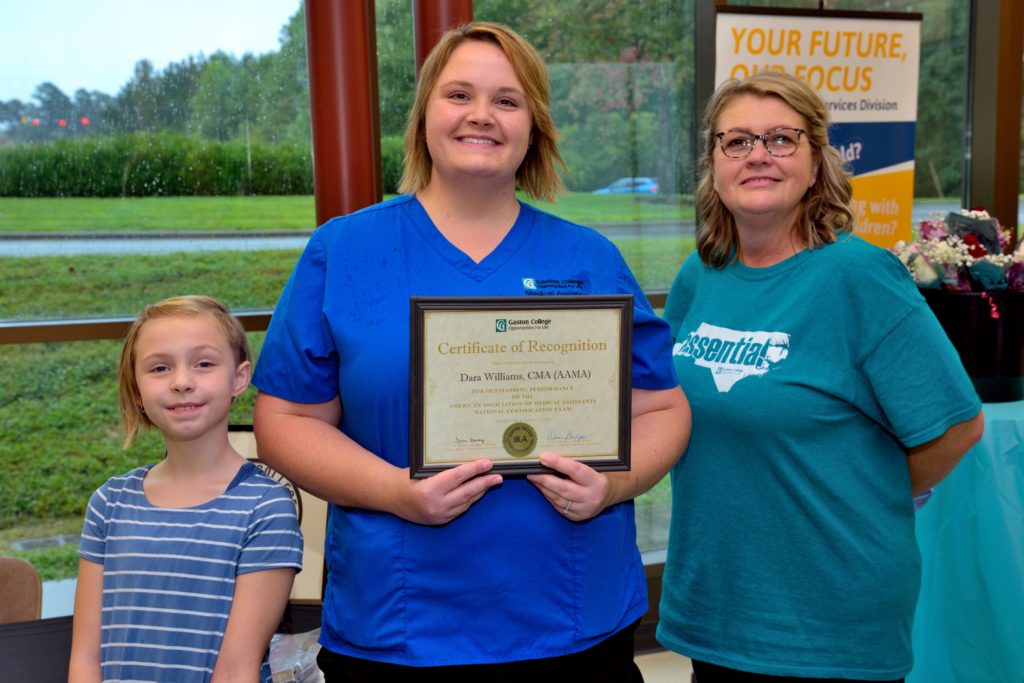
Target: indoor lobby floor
x=664, y=667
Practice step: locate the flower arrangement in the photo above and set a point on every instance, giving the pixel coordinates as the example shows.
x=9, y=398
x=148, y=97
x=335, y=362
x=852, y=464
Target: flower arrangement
x=963, y=252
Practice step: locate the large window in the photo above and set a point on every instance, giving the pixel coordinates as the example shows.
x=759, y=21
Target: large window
x=174, y=158
x=192, y=173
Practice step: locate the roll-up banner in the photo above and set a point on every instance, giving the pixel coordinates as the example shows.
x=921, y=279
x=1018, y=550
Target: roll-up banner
x=865, y=67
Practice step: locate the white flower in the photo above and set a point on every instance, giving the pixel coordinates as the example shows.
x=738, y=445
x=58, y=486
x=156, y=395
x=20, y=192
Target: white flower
x=948, y=252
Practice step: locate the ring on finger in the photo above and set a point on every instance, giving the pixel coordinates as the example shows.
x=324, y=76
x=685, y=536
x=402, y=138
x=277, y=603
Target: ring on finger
x=568, y=506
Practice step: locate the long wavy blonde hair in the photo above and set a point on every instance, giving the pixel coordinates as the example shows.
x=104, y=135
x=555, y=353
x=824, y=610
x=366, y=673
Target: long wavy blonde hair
x=826, y=205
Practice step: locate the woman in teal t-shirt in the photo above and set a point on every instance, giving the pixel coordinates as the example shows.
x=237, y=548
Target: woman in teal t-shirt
x=824, y=396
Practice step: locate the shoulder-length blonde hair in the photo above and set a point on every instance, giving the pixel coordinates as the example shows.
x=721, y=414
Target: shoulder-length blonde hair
x=826, y=205
x=128, y=397
x=537, y=175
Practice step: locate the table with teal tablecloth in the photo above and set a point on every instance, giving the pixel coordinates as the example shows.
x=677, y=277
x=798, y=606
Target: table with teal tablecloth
x=969, y=626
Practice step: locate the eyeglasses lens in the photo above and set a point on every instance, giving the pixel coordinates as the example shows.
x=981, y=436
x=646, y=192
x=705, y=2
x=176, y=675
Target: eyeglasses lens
x=780, y=143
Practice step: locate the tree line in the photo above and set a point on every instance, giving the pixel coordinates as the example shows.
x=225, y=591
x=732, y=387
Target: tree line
x=622, y=92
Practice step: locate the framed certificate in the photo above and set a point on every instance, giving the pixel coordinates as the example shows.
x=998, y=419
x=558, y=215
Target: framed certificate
x=510, y=378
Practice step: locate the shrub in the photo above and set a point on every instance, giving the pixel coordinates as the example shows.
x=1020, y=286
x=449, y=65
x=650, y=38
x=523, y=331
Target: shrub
x=152, y=165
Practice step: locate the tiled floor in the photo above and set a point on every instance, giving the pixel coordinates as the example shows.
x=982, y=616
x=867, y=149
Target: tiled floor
x=664, y=667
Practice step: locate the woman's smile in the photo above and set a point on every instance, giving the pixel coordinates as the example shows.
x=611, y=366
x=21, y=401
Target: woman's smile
x=759, y=181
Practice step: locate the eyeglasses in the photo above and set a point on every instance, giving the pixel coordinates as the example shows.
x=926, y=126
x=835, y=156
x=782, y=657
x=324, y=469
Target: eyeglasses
x=780, y=142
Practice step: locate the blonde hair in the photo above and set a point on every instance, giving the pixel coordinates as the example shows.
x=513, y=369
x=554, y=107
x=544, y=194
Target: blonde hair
x=128, y=397
x=537, y=175
x=826, y=205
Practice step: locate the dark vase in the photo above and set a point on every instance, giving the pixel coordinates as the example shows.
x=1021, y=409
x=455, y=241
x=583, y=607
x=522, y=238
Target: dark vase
x=991, y=348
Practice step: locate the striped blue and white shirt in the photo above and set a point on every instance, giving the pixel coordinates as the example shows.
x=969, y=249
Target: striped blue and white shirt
x=169, y=573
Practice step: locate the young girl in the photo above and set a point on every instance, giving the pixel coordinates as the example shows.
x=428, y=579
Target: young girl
x=185, y=565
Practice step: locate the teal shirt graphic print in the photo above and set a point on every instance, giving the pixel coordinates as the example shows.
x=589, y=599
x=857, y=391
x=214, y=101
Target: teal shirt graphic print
x=732, y=355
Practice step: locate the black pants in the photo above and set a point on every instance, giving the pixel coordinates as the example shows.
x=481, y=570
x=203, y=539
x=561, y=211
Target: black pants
x=610, y=661
x=709, y=673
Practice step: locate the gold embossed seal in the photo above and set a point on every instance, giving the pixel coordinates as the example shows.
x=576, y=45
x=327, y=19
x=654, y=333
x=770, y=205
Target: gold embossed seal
x=519, y=439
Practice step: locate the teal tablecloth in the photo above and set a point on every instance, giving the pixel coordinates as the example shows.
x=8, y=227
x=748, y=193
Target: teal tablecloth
x=969, y=626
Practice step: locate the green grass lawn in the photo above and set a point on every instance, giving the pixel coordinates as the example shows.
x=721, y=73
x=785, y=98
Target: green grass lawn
x=110, y=285
x=187, y=214
x=58, y=562
x=148, y=214
x=597, y=209
x=39, y=288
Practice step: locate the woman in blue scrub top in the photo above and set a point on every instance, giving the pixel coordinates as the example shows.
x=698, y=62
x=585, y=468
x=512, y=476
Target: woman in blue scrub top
x=465, y=575
x=825, y=395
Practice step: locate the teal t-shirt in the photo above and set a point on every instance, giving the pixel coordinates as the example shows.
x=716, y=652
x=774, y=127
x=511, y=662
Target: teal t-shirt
x=792, y=548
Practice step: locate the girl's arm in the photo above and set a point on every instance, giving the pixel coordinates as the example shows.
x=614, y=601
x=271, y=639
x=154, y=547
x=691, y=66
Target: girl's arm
x=302, y=441
x=85, y=633
x=256, y=609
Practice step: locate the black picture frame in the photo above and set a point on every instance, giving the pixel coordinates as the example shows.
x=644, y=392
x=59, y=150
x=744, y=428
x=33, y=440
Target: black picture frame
x=522, y=309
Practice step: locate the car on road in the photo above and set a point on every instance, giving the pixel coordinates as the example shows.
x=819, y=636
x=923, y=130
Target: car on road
x=630, y=186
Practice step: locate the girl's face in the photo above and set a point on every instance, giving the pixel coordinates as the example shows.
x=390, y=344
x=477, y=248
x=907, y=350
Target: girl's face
x=186, y=373
x=761, y=185
x=478, y=119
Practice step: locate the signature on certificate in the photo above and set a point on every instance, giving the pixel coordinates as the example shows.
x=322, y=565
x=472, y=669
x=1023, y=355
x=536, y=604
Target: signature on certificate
x=468, y=441
x=567, y=436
